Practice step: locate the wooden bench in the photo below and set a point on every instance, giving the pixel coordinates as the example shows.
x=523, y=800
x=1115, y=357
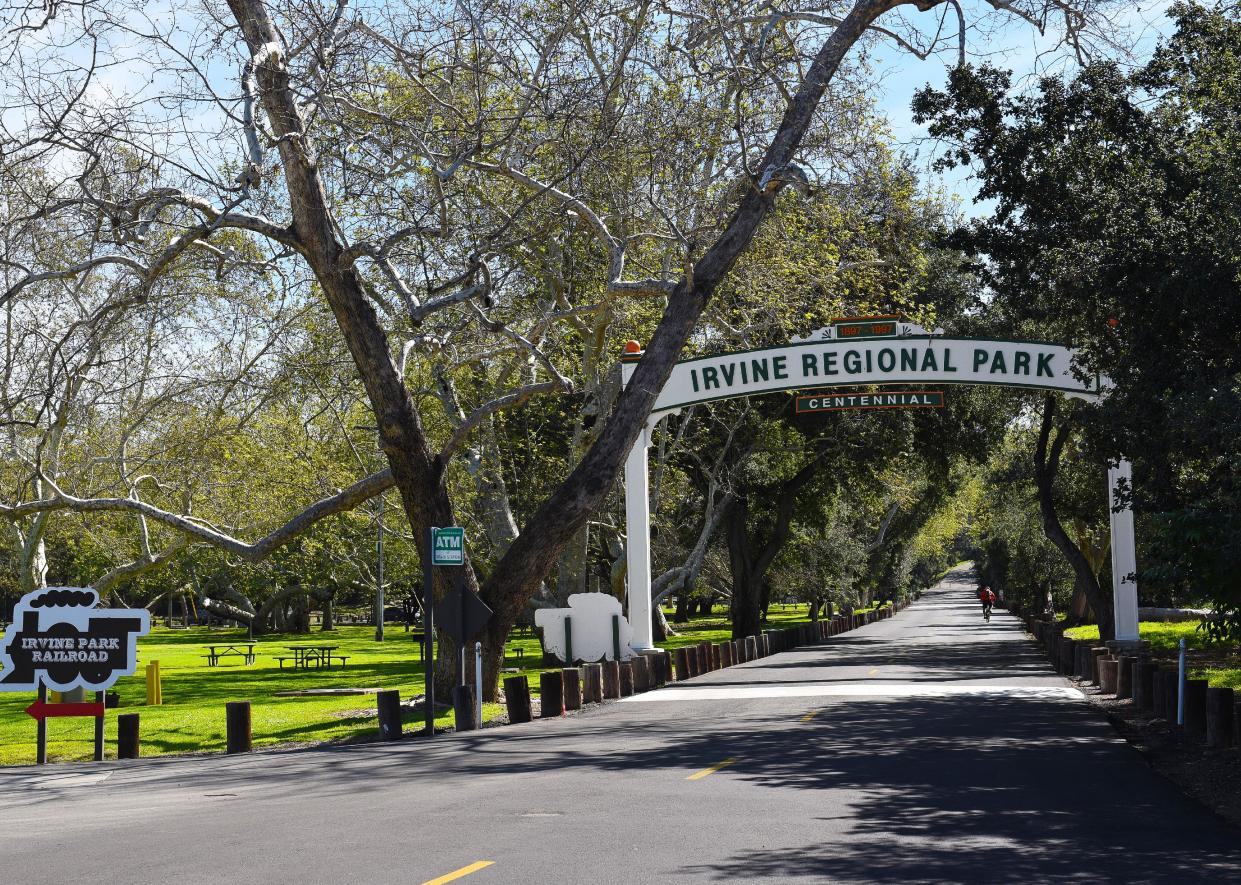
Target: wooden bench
x=340, y=658
x=283, y=659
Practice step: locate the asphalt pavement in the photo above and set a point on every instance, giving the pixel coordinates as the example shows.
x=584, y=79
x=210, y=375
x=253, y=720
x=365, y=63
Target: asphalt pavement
x=929, y=747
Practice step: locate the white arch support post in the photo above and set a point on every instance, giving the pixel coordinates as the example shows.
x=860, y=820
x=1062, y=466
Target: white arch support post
x=1124, y=557
x=638, y=543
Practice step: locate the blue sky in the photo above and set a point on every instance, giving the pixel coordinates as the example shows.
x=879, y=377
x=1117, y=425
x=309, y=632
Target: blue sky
x=1016, y=47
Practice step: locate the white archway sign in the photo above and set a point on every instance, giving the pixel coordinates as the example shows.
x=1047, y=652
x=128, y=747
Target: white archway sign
x=867, y=351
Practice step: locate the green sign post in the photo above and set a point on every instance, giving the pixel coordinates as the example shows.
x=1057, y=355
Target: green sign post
x=448, y=546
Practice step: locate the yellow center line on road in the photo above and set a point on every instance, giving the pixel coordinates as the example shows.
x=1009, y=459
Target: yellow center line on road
x=699, y=775
x=811, y=715
x=873, y=672
x=461, y=873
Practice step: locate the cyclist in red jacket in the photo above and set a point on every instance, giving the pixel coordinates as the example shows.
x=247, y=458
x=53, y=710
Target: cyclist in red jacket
x=988, y=600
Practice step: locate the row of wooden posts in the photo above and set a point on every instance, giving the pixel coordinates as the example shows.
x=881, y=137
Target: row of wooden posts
x=565, y=689
x=1211, y=714
x=568, y=689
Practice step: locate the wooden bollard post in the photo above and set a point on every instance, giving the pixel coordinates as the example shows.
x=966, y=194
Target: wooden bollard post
x=626, y=678
x=127, y=746
x=1107, y=675
x=703, y=662
x=751, y=648
x=572, y=688
x=1219, y=717
x=389, y=709
x=1196, y=707
x=238, y=737
x=517, y=699
x=726, y=654
x=764, y=646
x=464, y=710
x=682, y=665
x=1144, y=685
x=551, y=694
x=1082, y=661
x=738, y=651
x=1087, y=671
x=1157, y=678
x=611, y=680
x=641, y=674
x=1124, y=676
x=663, y=667
x=1171, y=688
x=594, y=684
x=1096, y=654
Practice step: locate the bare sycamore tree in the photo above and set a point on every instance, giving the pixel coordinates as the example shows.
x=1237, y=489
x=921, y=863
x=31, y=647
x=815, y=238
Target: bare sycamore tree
x=116, y=398
x=432, y=169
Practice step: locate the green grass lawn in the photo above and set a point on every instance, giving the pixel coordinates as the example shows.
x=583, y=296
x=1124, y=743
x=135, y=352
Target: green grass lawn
x=1218, y=662
x=191, y=718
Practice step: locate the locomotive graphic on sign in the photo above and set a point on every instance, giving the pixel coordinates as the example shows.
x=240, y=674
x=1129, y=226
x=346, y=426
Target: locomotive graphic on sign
x=59, y=639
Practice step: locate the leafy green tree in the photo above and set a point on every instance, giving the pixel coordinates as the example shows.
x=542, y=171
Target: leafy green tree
x=1115, y=228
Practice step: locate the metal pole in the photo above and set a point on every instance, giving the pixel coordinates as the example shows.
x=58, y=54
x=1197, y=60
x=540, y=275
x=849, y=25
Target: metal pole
x=1180, y=687
x=428, y=611
x=478, y=683
x=379, y=580
x=101, y=700
x=40, y=750
x=459, y=583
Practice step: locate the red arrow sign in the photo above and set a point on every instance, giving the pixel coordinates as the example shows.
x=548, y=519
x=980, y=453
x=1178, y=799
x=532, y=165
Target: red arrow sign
x=41, y=710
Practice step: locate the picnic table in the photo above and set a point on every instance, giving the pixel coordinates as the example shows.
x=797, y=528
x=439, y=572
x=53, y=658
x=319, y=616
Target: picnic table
x=240, y=650
x=304, y=657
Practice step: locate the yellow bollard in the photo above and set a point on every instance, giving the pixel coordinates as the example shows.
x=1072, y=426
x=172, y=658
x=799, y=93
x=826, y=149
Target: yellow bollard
x=155, y=689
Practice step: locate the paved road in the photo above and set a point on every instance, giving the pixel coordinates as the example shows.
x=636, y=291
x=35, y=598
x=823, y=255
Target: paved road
x=926, y=748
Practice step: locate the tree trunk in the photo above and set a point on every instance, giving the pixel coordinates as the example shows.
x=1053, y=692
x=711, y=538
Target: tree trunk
x=748, y=566
x=417, y=471
x=661, y=630
x=744, y=607
x=1046, y=466
x=273, y=610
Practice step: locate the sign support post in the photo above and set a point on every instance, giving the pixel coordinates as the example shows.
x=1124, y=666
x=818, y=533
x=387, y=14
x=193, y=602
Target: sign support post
x=40, y=751
x=638, y=541
x=100, y=700
x=459, y=586
x=428, y=617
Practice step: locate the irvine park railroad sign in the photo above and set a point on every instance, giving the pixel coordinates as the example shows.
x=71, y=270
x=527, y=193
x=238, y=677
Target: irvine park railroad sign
x=59, y=640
